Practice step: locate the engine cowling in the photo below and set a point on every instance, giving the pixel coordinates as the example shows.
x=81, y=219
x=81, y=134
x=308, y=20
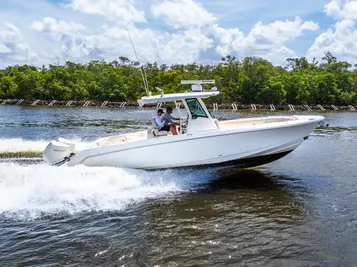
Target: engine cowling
x=58, y=151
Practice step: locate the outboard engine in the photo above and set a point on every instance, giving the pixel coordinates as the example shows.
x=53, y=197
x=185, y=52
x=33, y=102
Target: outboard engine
x=323, y=124
x=59, y=152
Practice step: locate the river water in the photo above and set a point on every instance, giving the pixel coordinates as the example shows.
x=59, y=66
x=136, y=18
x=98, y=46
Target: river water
x=298, y=211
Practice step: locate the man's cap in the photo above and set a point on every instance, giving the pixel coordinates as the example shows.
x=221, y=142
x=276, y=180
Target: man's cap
x=160, y=110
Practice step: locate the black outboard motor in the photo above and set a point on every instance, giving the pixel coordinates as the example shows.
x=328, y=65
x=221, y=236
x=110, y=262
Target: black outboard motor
x=323, y=124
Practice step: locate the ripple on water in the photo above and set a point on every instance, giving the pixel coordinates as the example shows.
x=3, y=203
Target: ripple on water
x=298, y=211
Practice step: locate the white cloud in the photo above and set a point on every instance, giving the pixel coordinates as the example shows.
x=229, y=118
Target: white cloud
x=82, y=30
x=185, y=47
x=57, y=29
x=68, y=34
x=4, y=49
x=114, y=42
x=340, y=39
x=333, y=9
x=279, y=32
x=342, y=9
x=182, y=13
x=226, y=38
x=120, y=11
x=12, y=47
x=268, y=41
x=151, y=46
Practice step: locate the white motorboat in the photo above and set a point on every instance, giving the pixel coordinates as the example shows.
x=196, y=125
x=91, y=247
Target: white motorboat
x=202, y=139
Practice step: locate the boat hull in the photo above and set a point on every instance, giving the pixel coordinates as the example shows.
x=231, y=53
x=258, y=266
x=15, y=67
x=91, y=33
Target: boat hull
x=247, y=162
x=236, y=147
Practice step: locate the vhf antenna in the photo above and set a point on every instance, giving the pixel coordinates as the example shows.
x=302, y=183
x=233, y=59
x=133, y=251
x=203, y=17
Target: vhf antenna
x=142, y=70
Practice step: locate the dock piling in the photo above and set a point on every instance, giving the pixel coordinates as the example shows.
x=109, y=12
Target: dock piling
x=4, y=102
x=178, y=105
x=215, y=106
x=35, y=103
x=104, y=104
x=69, y=103
x=52, y=103
x=291, y=107
x=308, y=107
x=321, y=107
x=19, y=102
x=334, y=107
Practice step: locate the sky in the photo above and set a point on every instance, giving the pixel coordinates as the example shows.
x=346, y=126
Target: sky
x=41, y=32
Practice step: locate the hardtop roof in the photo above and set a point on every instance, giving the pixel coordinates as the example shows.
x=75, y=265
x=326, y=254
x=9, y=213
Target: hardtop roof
x=174, y=97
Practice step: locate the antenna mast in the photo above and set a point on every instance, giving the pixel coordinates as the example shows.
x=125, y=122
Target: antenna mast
x=142, y=70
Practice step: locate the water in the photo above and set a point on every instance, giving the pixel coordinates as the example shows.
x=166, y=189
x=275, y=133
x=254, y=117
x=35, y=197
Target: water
x=298, y=211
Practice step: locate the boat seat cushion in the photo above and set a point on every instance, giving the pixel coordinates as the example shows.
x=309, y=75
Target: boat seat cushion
x=160, y=133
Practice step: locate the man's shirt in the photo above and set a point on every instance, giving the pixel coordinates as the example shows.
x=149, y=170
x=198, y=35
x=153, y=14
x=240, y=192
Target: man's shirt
x=159, y=121
x=168, y=117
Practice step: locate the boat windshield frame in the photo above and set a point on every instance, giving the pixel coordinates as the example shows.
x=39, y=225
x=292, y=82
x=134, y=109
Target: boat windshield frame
x=201, y=110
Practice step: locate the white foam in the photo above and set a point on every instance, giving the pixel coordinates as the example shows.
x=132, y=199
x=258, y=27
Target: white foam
x=18, y=145
x=28, y=192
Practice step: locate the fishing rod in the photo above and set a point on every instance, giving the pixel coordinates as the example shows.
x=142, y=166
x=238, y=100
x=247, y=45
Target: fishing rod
x=142, y=69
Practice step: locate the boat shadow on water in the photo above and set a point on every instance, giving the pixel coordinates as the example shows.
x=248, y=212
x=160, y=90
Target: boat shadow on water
x=238, y=191
x=235, y=211
x=236, y=179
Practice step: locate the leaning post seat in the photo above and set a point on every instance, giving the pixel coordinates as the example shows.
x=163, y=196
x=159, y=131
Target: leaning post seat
x=156, y=128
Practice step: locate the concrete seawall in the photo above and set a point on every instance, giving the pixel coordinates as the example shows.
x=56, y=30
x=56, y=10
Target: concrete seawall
x=232, y=106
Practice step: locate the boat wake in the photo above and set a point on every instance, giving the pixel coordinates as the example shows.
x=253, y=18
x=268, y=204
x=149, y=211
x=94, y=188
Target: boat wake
x=33, y=191
x=333, y=130
x=17, y=148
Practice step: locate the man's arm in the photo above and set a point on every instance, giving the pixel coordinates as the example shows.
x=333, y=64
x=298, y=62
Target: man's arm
x=159, y=121
x=173, y=119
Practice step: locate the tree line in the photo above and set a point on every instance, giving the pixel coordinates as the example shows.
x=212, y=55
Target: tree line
x=251, y=80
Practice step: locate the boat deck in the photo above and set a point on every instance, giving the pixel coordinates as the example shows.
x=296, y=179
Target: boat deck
x=222, y=125
x=253, y=121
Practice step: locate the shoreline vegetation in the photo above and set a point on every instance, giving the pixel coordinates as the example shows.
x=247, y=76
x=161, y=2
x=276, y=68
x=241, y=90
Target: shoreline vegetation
x=250, y=83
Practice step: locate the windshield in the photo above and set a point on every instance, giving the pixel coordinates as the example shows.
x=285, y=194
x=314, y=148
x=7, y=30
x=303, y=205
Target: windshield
x=195, y=108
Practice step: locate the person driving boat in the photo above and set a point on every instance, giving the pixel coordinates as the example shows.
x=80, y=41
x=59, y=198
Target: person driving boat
x=170, y=120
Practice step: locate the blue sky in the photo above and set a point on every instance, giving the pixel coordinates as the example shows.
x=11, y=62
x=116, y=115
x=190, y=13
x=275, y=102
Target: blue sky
x=175, y=31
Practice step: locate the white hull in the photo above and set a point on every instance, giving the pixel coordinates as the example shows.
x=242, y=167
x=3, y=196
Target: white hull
x=246, y=144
